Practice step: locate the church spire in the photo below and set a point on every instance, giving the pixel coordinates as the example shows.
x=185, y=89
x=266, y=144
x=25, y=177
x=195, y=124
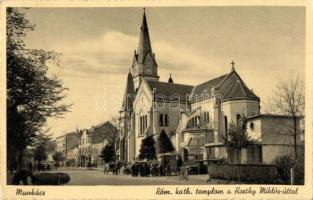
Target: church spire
x=144, y=45
x=170, y=80
x=129, y=94
x=144, y=63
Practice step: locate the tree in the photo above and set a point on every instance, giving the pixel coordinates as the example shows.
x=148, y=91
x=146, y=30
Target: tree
x=32, y=96
x=58, y=157
x=165, y=143
x=147, y=149
x=40, y=153
x=108, y=153
x=289, y=99
x=237, y=137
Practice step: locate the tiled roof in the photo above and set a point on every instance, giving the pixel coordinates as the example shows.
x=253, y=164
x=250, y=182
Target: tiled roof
x=170, y=91
x=199, y=89
x=69, y=134
x=233, y=87
x=229, y=87
x=100, y=133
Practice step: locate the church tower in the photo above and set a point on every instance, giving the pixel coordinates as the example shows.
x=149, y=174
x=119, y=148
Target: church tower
x=144, y=63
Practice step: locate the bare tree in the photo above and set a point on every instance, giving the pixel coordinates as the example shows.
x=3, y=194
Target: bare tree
x=289, y=99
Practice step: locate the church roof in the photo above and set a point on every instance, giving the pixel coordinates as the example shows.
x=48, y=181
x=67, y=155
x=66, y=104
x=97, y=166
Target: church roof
x=170, y=91
x=232, y=87
x=129, y=94
x=207, y=86
x=229, y=86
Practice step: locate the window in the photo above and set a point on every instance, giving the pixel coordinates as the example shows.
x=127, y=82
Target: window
x=252, y=126
x=163, y=120
x=238, y=118
x=166, y=120
x=206, y=117
x=226, y=124
x=195, y=121
x=143, y=124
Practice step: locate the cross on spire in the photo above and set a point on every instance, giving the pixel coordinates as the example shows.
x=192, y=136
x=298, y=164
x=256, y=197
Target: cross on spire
x=232, y=65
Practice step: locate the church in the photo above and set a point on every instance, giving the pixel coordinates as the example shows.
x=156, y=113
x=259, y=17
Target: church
x=194, y=117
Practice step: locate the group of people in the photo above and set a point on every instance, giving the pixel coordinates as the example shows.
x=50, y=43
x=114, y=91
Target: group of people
x=114, y=167
x=145, y=168
x=159, y=169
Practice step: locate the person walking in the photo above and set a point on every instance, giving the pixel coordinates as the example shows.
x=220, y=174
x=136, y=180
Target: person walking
x=179, y=164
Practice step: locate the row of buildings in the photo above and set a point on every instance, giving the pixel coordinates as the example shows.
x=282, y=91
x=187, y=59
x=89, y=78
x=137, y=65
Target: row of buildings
x=83, y=147
x=196, y=118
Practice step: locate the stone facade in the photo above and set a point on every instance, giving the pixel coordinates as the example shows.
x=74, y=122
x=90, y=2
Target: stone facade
x=195, y=118
x=275, y=134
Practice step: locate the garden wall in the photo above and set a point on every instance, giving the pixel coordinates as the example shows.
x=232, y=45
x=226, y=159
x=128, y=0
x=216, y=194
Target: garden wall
x=245, y=173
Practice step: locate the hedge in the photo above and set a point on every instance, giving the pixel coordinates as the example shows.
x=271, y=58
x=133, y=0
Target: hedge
x=51, y=179
x=245, y=173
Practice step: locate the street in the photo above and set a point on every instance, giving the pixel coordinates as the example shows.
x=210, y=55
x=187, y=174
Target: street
x=82, y=176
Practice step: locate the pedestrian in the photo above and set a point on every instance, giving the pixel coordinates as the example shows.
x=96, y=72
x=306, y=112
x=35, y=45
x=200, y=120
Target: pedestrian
x=135, y=169
x=179, y=164
x=146, y=169
x=152, y=169
x=161, y=169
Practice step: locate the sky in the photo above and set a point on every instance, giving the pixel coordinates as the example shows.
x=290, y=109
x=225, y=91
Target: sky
x=194, y=44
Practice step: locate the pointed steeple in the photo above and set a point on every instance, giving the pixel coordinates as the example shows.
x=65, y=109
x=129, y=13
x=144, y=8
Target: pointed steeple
x=129, y=94
x=144, y=45
x=170, y=80
x=144, y=64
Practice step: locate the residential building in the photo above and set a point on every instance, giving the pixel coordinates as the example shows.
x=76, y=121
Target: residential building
x=92, y=142
x=67, y=142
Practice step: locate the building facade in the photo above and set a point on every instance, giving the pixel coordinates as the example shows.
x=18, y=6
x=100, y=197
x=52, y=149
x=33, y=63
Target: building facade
x=196, y=118
x=67, y=142
x=92, y=142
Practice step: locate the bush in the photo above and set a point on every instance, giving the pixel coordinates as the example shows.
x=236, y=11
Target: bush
x=258, y=174
x=284, y=164
x=23, y=176
x=51, y=179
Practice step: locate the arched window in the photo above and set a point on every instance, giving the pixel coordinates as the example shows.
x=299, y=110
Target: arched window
x=193, y=122
x=252, y=126
x=206, y=117
x=161, y=120
x=166, y=120
x=238, y=118
x=226, y=124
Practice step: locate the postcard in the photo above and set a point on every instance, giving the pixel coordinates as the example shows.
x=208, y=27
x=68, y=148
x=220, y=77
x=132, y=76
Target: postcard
x=156, y=100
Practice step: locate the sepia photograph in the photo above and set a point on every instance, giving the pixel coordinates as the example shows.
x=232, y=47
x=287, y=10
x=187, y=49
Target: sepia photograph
x=156, y=96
